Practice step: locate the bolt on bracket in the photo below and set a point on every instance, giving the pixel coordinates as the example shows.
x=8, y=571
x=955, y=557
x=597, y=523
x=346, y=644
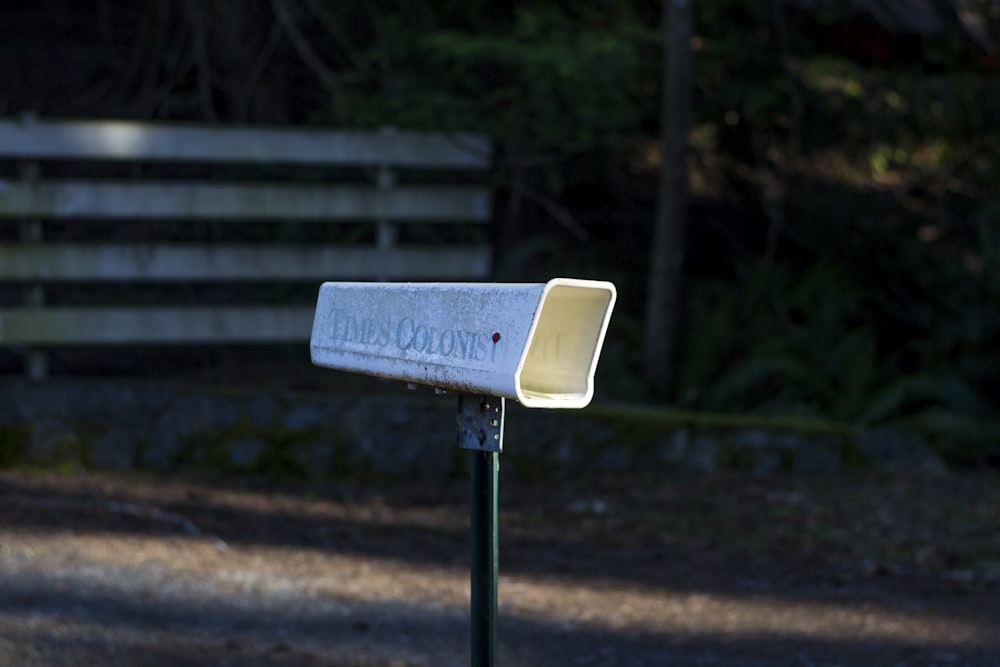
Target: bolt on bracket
x=480, y=422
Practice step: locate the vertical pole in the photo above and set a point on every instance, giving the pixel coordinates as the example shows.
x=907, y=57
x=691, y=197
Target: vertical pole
x=485, y=558
x=480, y=429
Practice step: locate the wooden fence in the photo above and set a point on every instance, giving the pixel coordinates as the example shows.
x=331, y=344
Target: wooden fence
x=132, y=204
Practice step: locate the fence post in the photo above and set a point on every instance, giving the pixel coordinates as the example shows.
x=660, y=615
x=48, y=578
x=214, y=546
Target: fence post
x=385, y=180
x=37, y=360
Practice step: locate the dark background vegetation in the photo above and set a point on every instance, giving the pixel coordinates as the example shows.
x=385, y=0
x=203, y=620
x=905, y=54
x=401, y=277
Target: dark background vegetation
x=842, y=248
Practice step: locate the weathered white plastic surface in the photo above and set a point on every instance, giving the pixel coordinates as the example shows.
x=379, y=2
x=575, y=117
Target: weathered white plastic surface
x=534, y=343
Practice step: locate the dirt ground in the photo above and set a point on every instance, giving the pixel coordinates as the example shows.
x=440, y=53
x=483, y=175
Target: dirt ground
x=724, y=570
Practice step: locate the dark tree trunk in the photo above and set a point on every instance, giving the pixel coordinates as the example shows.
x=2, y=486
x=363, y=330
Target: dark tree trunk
x=663, y=299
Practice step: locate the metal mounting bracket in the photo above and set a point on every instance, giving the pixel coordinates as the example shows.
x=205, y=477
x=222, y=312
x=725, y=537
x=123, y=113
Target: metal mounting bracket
x=480, y=422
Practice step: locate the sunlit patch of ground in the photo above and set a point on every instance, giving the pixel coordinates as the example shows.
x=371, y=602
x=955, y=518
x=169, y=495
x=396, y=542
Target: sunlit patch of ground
x=602, y=577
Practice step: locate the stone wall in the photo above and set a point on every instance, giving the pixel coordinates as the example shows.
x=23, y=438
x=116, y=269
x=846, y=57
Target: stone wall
x=397, y=434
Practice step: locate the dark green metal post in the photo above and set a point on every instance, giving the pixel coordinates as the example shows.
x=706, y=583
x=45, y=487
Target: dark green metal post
x=485, y=558
x=480, y=429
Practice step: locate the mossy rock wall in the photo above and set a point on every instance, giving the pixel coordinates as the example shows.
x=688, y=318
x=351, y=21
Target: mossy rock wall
x=395, y=434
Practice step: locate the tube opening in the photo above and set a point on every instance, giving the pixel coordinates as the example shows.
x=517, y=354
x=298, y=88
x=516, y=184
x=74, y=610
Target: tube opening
x=557, y=368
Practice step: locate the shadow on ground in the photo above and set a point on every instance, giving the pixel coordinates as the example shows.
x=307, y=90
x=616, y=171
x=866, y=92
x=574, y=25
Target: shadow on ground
x=348, y=575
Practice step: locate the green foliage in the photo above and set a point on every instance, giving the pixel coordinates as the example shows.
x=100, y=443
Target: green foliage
x=568, y=81
x=876, y=303
x=824, y=343
x=549, y=80
x=797, y=343
x=14, y=442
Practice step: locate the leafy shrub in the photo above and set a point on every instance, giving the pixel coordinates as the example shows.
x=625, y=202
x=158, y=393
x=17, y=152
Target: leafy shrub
x=829, y=343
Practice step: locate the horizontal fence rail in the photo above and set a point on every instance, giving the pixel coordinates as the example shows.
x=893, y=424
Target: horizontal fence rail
x=137, y=141
x=183, y=201
x=109, y=213
x=126, y=262
x=154, y=325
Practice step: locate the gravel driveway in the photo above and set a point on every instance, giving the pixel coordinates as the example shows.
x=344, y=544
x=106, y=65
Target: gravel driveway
x=115, y=570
